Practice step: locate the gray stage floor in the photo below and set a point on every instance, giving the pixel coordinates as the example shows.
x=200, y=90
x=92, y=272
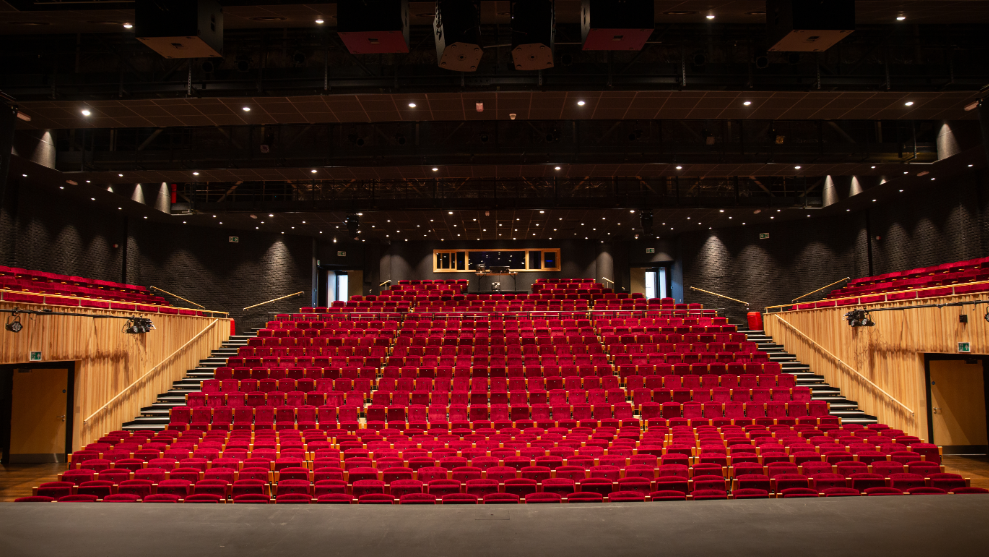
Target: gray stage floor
x=923, y=526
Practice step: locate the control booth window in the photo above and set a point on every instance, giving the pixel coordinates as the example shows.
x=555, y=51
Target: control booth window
x=520, y=260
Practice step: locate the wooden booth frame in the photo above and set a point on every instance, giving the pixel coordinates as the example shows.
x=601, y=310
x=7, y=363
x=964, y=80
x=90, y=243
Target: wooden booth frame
x=447, y=260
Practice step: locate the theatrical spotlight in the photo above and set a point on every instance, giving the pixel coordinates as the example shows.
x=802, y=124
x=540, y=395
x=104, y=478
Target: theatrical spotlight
x=138, y=325
x=859, y=318
x=645, y=218
x=14, y=324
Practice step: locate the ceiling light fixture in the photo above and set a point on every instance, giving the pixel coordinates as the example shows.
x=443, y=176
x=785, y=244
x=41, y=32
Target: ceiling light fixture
x=679, y=167
x=319, y=21
x=313, y=171
x=557, y=168
x=581, y=103
x=710, y=16
x=435, y=169
x=747, y=103
x=908, y=103
x=796, y=167
x=86, y=112
x=246, y=109
x=412, y=105
x=128, y=26
x=195, y=174
x=900, y=17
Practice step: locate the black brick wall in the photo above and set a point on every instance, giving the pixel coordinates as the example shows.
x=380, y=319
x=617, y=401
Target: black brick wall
x=940, y=224
x=202, y=265
x=797, y=257
x=47, y=229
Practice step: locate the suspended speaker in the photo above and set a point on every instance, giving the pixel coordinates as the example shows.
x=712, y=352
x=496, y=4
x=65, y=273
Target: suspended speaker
x=533, y=33
x=616, y=24
x=180, y=28
x=457, y=30
x=808, y=25
x=374, y=26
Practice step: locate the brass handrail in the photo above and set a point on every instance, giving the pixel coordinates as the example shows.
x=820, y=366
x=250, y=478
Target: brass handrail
x=179, y=297
x=887, y=294
x=299, y=293
x=150, y=371
x=69, y=297
x=608, y=279
x=840, y=363
x=718, y=295
x=821, y=288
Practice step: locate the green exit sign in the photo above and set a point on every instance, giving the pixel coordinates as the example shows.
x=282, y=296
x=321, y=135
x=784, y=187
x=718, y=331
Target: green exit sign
x=764, y=235
x=650, y=250
x=964, y=347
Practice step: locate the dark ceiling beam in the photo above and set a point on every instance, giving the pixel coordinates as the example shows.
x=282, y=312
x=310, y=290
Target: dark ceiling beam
x=496, y=143
x=483, y=194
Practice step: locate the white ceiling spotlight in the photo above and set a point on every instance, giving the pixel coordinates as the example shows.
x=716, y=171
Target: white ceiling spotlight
x=246, y=109
x=581, y=103
x=319, y=21
x=412, y=105
x=908, y=103
x=86, y=112
x=747, y=103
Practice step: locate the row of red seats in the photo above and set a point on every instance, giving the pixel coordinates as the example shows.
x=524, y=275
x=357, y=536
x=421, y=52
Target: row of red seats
x=403, y=350
x=898, y=296
x=42, y=276
x=310, y=371
x=982, y=262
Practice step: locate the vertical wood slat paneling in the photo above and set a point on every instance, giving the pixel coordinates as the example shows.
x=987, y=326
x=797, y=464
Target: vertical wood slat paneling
x=109, y=360
x=890, y=354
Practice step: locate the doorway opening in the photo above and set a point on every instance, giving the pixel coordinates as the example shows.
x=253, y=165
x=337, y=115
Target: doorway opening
x=341, y=284
x=652, y=282
x=957, y=397
x=36, y=403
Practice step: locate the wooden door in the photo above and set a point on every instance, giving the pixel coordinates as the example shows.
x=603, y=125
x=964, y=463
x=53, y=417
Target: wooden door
x=38, y=415
x=958, y=403
x=638, y=280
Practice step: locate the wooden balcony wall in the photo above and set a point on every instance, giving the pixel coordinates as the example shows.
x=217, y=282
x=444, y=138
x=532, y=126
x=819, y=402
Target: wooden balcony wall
x=127, y=371
x=890, y=354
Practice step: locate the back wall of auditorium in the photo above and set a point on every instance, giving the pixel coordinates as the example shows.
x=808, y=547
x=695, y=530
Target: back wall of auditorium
x=51, y=229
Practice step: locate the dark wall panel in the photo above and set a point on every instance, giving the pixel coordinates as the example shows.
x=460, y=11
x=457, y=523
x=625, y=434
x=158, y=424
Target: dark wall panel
x=797, y=257
x=202, y=265
x=44, y=228
x=940, y=224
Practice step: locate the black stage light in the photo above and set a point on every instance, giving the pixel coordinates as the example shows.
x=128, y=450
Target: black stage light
x=859, y=318
x=14, y=324
x=138, y=326
x=353, y=223
x=457, y=30
x=645, y=218
x=533, y=33
x=374, y=26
